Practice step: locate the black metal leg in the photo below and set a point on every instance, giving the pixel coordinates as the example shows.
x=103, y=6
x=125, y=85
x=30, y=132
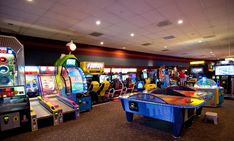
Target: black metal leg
x=129, y=116
x=178, y=122
x=198, y=111
x=189, y=122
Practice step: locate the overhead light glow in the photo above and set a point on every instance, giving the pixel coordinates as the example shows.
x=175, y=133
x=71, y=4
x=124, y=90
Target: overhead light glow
x=200, y=41
x=123, y=47
x=180, y=21
x=101, y=43
x=165, y=46
x=98, y=22
x=132, y=34
x=211, y=52
x=30, y=0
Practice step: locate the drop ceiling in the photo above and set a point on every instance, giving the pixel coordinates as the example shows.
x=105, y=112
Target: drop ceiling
x=207, y=31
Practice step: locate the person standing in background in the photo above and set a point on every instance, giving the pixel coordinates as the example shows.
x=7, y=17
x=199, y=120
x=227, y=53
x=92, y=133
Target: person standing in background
x=182, y=77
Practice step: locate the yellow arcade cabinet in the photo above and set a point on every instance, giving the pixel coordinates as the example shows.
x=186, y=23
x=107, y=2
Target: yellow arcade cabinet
x=148, y=85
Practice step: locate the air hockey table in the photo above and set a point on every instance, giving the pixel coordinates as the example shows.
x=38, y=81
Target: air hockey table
x=195, y=94
x=175, y=109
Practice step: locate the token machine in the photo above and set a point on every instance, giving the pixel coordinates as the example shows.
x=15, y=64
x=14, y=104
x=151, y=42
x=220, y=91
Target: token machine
x=72, y=82
x=14, y=103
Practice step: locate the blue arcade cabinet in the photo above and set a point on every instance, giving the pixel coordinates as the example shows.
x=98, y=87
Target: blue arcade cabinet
x=72, y=82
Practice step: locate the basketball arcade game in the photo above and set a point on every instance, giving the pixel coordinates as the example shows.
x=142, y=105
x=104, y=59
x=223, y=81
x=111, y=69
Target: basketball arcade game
x=43, y=110
x=72, y=81
x=14, y=103
x=49, y=91
x=209, y=85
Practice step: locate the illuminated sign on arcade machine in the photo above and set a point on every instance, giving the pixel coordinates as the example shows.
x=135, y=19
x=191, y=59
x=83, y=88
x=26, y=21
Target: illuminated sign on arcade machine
x=14, y=103
x=92, y=67
x=72, y=81
x=209, y=85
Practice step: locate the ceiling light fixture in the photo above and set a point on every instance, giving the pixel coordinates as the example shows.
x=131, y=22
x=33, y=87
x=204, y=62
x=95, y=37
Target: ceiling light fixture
x=30, y=0
x=102, y=43
x=71, y=45
x=180, y=21
x=132, y=34
x=98, y=22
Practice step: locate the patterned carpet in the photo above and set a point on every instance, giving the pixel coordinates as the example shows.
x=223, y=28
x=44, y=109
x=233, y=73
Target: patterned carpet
x=107, y=122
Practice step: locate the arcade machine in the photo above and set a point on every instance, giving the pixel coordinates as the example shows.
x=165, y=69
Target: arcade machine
x=116, y=73
x=129, y=73
x=177, y=110
x=45, y=112
x=106, y=75
x=14, y=103
x=72, y=82
x=97, y=90
x=224, y=71
x=197, y=69
x=209, y=85
x=49, y=91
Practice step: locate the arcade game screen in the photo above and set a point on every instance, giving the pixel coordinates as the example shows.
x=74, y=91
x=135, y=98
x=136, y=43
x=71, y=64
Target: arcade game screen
x=133, y=77
x=205, y=83
x=76, y=80
x=125, y=76
x=103, y=77
x=224, y=70
x=145, y=75
x=196, y=70
x=115, y=76
x=12, y=95
x=48, y=84
x=31, y=84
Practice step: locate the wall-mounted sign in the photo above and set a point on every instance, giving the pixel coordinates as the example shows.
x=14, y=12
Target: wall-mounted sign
x=197, y=62
x=92, y=67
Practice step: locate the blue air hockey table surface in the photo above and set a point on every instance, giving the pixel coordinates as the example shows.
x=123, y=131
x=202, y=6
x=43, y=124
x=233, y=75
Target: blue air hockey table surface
x=175, y=109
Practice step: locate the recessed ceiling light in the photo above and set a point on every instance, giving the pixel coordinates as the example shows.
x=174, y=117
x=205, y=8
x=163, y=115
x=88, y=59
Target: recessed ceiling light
x=132, y=34
x=101, y=43
x=180, y=21
x=30, y=0
x=123, y=47
x=98, y=22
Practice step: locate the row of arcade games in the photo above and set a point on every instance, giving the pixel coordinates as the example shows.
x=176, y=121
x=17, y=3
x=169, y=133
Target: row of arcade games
x=14, y=103
x=119, y=73
x=224, y=76
x=35, y=96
